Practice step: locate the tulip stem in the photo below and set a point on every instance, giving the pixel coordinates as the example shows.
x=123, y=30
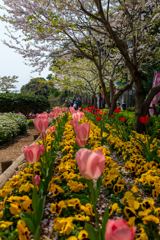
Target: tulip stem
x=94, y=207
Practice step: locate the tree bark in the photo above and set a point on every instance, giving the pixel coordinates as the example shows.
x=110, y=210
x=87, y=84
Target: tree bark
x=95, y=100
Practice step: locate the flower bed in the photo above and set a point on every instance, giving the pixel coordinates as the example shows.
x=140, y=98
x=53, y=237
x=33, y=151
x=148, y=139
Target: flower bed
x=11, y=124
x=69, y=194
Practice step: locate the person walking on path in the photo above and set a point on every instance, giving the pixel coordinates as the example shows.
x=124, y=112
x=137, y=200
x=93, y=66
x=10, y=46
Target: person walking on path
x=124, y=105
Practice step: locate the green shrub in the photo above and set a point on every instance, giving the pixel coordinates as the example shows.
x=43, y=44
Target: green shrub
x=24, y=103
x=153, y=124
x=129, y=118
x=83, y=106
x=11, y=125
x=30, y=123
x=131, y=109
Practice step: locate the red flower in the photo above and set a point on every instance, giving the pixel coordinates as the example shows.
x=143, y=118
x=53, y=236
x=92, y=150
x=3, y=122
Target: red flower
x=144, y=119
x=95, y=112
x=117, y=110
x=100, y=112
x=92, y=107
x=112, y=115
x=98, y=119
x=122, y=119
x=105, y=113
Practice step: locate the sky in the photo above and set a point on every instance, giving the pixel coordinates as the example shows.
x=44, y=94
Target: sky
x=12, y=63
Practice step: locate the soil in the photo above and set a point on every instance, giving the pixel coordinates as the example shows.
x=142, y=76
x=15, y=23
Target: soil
x=13, y=149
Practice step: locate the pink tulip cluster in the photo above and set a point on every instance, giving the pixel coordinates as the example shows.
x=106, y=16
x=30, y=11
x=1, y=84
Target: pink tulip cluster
x=41, y=122
x=78, y=115
x=32, y=153
x=90, y=163
x=119, y=230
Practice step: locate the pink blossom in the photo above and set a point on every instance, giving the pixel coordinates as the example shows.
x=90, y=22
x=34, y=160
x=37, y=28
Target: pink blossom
x=36, y=180
x=82, y=131
x=74, y=122
x=32, y=153
x=41, y=124
x=119, y=230
x=91, y=164
x=52, y=115
x=80, y=142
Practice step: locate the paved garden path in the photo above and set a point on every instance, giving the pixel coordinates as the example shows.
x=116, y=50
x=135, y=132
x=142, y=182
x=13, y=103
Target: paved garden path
x=13, y=149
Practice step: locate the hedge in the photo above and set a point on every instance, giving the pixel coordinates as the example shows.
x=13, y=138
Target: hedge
x=24, y=103
x=11, y=124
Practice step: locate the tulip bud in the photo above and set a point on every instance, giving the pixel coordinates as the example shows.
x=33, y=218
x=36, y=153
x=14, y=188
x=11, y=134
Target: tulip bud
x=36, y=180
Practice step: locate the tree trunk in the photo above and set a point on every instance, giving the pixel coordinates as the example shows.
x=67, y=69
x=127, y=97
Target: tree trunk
x=139, y=109
x=95, y=100
x=111, y=90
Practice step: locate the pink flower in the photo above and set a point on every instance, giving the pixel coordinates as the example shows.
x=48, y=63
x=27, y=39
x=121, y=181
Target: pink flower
x=52, y=115
x=91, y=164
x=74, y=122
x=42, y=115
x=41, y=124
x=32, y=153
x=100, y=112
x=36, y=180
x=52, y=129
x=80, y=142
x=82, y=131
x=42, y=149
x=119, y=230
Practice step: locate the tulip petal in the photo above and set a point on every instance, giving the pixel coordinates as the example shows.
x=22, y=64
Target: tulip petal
x=124, y=233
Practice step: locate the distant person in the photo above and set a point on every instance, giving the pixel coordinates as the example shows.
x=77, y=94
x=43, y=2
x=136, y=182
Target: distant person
x=79, y=103
x=124, y=105
x=75, y=104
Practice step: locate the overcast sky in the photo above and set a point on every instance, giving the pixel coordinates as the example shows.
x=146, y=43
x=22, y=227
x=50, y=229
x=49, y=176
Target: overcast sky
x=12, y=63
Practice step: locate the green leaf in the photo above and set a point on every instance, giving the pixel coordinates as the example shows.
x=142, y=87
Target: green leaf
x=36, y=236
x=80, y=196
x=91, y=232
x=98, y=188
x=27, y=215
x=40, y=210
x=35, y=200
x=29, y=224
x=105, y=220
x=84, y=201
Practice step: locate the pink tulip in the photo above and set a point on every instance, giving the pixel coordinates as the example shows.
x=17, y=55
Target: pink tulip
x=42, y=115
x=42, y=149
x=32, y=153
x=78, y=115
x=52, y=115
x=82, y=131
x=91, y=164
x=36, y=180
x=74, y=122
x=80, y=142
x=119, y=230
x=52, y=129
x=41, y=124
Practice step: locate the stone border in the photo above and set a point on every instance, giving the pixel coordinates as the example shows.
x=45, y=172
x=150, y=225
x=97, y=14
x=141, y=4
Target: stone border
x=11, y=170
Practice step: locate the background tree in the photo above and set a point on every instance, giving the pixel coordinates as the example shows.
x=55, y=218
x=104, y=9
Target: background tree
x=7, y=83
x=38, y=86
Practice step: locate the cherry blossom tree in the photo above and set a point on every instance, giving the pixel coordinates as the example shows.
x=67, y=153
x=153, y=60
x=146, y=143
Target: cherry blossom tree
x=62, y=34
x=58, y=28
x=7, y=83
